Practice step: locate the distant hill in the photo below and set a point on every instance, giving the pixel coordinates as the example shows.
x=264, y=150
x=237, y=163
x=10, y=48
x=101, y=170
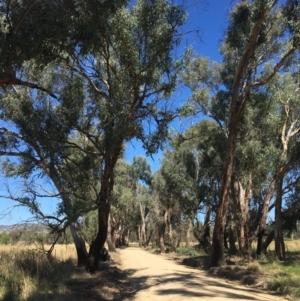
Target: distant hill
x=24, y=227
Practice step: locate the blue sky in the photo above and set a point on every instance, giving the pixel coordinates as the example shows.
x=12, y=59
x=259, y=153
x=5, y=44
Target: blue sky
x=207, y=23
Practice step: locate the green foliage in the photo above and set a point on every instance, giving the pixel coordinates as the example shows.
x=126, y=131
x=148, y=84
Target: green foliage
x=292, y=13
x=285, y=278
x=5, y=239
x=89, y=226
x=41, y=239
x=189, y=251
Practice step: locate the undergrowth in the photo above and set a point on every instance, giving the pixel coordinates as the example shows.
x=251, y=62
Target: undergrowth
x=30, y=275
x=190, y=251
x=284, y=275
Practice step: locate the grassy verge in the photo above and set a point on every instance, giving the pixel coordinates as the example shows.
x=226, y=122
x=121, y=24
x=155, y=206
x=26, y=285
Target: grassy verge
x=283, y=276
x=26, y=274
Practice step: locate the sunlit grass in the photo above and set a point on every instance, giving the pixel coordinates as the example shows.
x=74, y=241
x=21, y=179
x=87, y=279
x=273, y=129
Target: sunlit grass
x=27, y=273
x=290, y=245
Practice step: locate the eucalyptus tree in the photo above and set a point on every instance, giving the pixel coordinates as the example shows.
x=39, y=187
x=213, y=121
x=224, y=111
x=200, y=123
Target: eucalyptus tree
x=124, y=53
x=261, y=38
x=141, y=177
x=123, y=203
x=129, y=71
x=191, y=172
x=41, y=32
x=276, y=152
x=286, y=92
x=178, y=172
x=162, y=207
x=41, y=135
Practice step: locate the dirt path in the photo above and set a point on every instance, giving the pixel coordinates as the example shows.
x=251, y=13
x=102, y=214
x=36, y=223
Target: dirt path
x=156, y=278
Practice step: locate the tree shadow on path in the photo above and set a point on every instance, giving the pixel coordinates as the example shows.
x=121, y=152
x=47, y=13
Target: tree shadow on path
x=189, y=284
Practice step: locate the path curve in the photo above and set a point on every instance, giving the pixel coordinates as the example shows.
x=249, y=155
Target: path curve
x=156, y=278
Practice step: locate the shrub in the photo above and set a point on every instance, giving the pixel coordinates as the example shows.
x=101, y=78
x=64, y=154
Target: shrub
x=5, y=239
x=189, y=251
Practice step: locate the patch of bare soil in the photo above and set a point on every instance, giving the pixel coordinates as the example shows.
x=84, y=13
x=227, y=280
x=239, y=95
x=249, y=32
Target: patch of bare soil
x=108, y=283
x=159, y=278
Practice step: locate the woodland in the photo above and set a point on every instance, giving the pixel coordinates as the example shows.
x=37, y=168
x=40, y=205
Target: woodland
x=80, y=79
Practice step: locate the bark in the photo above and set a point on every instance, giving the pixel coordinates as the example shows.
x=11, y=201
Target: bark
x=206, y=228
x=263, y=218
x=104, y=201
x=242, y=198
x=161, y=237
x=267, y=242
x=232, y=246
x=225, y=239
x=178, y=238
x=111, y=236
x=217, y=256
x=161, y=232
x=143, y=238
x=149, y=238
x=82, y=254
x=172, y=243
x=188, y=233
x=125, y=237
x=98, y=243
x=278, y=227
x=139, y=235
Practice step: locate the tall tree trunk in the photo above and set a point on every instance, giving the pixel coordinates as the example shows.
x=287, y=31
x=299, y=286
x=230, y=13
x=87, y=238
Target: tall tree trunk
x=188, y=233
x=278, y=227
x=139, y=235
x=232, y=246
x=242, y=198
x=206, y=227
x=143, y=237
x=104, y=201
x=217, y=256
x=98, y=243
x=161, y=237
x=125, y=237
x=178, y=242
x=264, y=215
x=161, y=232
x=111, y=239
x=225, y=238
x=267, y=242
x=239, y=97
x=149, y=238
x=82, y=254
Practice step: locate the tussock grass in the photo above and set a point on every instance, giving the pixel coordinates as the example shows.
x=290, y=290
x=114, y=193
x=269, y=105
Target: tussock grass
x=284, y=276
x=27, y=274
x=255, y=267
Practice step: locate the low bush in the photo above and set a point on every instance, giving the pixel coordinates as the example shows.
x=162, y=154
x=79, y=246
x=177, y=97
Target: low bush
x=189, y=251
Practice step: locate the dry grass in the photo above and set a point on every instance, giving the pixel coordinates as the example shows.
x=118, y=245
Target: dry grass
x=60, y=252
x=27, y=274
x=290, y=245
